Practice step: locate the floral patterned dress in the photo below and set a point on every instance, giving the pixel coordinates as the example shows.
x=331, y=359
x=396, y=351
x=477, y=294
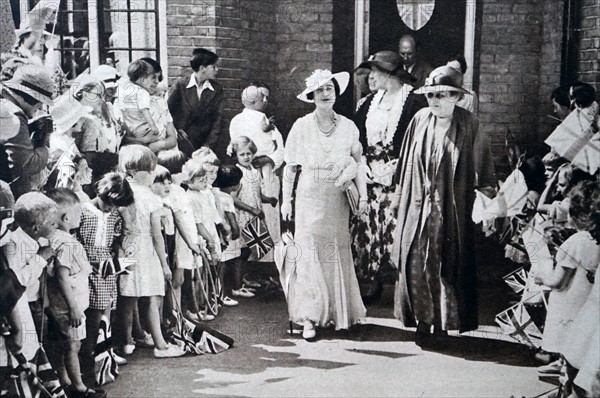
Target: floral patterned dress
x=372, y=235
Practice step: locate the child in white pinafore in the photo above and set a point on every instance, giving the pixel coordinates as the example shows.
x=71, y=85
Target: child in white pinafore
x=143, y=241
x=571, y=280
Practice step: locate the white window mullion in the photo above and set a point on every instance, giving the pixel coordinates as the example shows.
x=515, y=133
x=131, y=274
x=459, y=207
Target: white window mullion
x=94, y=40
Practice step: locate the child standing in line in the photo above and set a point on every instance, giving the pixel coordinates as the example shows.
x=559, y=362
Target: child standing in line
x=228, y=181
x=68, y=292
x=571, y=280
x=206, y=214
x=35, y=216
x=249, y=198
x=143, y=241
x=100, y=233
x=186, y=242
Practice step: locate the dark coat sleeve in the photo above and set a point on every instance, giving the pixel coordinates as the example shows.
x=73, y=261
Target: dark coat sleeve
x=414, y=103
x=176, y=106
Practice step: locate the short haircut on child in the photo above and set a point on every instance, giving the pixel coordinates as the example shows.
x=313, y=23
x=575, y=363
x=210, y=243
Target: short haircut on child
x=114, y=189
x=192, y=169
x=135, y=158
x=139, y=69
x=33, y=208
x=243, y=142
x=229, y=175
x=63, y=196
x=162, y=174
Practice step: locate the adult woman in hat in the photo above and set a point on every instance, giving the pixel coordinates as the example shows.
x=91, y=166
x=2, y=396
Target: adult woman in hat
x=444, y=159
x=325, y=146
x=382, y=120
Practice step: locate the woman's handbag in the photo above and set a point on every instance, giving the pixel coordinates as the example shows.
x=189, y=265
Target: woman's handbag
x=353, y=197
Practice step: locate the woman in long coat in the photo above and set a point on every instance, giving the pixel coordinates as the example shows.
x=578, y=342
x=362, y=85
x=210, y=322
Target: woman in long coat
x=444, y=159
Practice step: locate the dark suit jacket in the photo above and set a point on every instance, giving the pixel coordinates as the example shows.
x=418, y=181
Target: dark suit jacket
x=199, y=118
x=421, y=71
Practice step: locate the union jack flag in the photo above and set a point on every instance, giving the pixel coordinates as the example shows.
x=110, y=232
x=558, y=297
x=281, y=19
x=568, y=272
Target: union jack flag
x=517, y=280
x=106, y=368
x=256, y=236
x=199, y=339
x=40, y=381
x=517, y=323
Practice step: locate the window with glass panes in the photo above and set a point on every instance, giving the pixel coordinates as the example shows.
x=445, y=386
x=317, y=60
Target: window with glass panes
x=113, y=32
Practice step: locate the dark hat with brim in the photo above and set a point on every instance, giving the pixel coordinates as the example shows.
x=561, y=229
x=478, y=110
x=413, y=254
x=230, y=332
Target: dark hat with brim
x=388, y=61
x=34, y=81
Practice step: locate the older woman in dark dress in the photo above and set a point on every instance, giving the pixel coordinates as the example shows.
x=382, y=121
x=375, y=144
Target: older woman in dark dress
x=445, y=157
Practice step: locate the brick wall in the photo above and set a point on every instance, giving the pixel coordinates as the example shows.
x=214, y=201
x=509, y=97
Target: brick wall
x=550, y=64
x=589, y=56
x=304, y=34
x=511, y=38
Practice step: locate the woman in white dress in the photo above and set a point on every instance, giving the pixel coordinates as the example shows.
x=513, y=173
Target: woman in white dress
x=325, y=147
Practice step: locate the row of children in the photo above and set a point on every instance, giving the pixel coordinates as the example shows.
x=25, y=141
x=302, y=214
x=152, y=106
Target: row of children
x=165, y=230
x=561, y=236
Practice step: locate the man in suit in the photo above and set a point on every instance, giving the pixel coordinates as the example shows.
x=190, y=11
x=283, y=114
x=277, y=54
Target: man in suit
x=196, y=104
x=407, y=48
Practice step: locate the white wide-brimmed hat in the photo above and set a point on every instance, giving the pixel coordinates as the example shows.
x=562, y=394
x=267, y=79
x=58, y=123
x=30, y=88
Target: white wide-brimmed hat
x=107, y=75
x=319, y=78
x=444, y=78
x=66, y=112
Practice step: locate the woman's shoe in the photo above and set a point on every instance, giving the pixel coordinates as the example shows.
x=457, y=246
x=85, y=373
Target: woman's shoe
x=251, y=283
x=309, y=332
x=423, y=334
x=374, y=293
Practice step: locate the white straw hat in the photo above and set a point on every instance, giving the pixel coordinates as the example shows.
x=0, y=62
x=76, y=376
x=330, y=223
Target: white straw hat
x=319, y=78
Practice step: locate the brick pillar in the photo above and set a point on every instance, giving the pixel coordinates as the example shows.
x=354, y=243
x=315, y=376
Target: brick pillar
x=511, y=38
x=589, y=55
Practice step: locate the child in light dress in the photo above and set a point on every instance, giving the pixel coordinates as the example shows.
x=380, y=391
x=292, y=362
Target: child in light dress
x=228, y=181
x=572, y=278
x=249, y=198
x=143, y=241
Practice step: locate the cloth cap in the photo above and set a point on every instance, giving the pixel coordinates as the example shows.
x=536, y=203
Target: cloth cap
x=34, y=81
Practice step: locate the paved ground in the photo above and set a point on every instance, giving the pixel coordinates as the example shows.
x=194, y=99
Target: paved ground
x=377, y=359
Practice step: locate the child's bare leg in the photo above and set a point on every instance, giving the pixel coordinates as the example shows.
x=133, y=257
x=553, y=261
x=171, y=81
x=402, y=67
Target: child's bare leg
x=126, y=306
x=71, y=359
x=154, y=322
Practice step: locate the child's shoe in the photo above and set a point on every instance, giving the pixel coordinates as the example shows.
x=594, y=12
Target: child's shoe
x=172, y=351
x=251, y=283
x=120, y=360
x=146, y=342
x=229, y=302
x=242, y=292
x=127, y=349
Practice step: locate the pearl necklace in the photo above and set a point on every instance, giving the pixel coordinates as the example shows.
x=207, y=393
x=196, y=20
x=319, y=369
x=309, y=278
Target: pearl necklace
x=326, y=132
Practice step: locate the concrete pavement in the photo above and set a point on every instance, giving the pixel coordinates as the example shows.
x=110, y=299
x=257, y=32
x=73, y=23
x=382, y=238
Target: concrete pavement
x=377, y=359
